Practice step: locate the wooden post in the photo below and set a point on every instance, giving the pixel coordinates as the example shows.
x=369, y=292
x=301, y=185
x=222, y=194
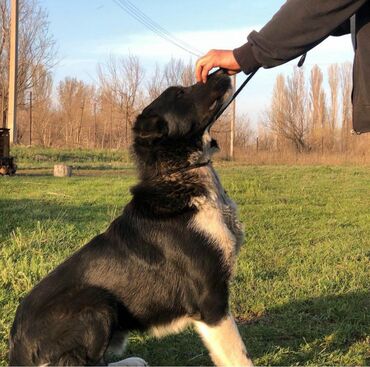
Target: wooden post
x=13, y=67
x=95, y=127
x=110, y=127
x=30, y=118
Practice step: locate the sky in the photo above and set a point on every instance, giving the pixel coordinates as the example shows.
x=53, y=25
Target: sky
x=89, y=31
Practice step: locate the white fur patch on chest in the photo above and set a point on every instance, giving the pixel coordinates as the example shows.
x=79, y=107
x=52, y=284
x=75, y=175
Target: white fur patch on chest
x=210, y=222
x=217, y=217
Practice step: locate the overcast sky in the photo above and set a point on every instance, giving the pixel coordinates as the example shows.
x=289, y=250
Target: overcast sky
x=88, y=31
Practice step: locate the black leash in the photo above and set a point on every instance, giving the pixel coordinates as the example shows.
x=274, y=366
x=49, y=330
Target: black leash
x=228, y=102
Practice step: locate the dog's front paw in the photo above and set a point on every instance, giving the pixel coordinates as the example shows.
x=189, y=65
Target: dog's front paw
x=130, y=362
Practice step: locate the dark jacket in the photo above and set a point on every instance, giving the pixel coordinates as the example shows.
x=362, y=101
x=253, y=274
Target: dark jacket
x=299, y=26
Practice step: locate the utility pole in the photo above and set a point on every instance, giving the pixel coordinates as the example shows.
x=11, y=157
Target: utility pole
x=110, y=127
x=126, y=118
x=95, y=127
x=30, y=118
x=13, y=67
x=232, y=122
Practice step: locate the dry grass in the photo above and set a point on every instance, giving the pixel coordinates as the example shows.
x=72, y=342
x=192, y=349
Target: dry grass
x=305, y=159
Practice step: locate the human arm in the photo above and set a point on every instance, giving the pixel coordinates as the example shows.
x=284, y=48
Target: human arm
x=296, y=28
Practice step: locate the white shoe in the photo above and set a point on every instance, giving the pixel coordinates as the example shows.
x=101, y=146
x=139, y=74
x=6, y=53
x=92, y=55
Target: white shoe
x=130, y=362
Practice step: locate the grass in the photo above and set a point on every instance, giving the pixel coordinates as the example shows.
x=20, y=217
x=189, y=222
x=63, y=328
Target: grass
x=32, y=158
x=301, y=290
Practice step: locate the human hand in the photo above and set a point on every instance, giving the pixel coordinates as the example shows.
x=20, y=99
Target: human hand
x=216, y=58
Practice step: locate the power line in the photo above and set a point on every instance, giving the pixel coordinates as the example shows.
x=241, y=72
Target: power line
x=133, y=11
x=159, y=27
x=153, y=27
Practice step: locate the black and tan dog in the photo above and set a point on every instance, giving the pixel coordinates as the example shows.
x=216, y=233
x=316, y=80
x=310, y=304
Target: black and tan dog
x=165, y=263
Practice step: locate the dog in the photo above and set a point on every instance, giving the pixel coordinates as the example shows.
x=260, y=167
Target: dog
x=163, y=265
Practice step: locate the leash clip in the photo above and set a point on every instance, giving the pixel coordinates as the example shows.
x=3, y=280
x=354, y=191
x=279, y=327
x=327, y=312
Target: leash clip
x=302, y=60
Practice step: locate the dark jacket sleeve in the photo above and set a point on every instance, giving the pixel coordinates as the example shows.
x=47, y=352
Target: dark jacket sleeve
x=296, y=28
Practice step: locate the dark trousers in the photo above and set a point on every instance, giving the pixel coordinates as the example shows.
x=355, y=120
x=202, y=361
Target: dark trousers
x=361, y=74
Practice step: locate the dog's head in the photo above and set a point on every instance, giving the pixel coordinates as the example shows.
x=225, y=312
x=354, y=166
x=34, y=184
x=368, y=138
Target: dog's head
x=177, y=123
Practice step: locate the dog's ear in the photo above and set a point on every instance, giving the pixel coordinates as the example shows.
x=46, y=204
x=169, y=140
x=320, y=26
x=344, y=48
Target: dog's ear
x=150, y=127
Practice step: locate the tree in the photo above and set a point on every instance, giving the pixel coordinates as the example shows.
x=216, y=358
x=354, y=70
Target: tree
x=333, y=73
x=288, y=112
x=36, y=48
x=317, y=100
x=42, y=107
x=155, y=85
x=120, y=79
x=175, y=72
x=243, y=132
x=75, y=102
x=346, y=91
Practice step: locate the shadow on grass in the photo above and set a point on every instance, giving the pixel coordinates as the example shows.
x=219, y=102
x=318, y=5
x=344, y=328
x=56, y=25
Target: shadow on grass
x=299, y=332
x=25, y=213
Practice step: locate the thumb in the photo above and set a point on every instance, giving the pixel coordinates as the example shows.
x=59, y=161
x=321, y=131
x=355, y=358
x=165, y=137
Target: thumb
x=233, y=72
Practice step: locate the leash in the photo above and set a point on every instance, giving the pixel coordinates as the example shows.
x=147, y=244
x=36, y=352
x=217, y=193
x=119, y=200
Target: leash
x=228, y=102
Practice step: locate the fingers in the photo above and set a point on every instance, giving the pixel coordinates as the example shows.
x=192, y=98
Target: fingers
x=216, y=58
x=198, y=69
x=206, y=69
x=204, y=65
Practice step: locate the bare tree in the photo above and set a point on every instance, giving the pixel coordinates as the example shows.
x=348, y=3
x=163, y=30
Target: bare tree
x=317, y=100
x=75, y=100
x=156, y=85
x=36, y=48
x=333, y=73
x=122, y=77
x=346, y=89
x=188, y=74
x=288, y=112
x=243, y=132
x=175, y=72
x=42, y=107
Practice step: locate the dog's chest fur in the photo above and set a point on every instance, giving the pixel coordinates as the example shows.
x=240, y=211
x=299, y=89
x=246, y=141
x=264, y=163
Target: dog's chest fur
x=217, y=217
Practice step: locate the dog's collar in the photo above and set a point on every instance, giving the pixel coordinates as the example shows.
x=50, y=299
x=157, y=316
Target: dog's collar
x=187, y=168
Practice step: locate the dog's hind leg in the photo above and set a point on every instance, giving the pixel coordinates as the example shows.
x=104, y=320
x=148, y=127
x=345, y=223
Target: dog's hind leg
x=116, y=346
x=224, y=343
x=116, y=349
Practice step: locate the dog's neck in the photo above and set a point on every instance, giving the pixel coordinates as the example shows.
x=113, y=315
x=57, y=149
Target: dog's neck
x=187, y=167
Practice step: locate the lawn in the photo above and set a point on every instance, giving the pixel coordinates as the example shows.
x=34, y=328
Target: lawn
x=301, y=291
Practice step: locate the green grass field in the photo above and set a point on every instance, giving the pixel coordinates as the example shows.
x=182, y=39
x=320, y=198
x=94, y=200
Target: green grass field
x=301, y=291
